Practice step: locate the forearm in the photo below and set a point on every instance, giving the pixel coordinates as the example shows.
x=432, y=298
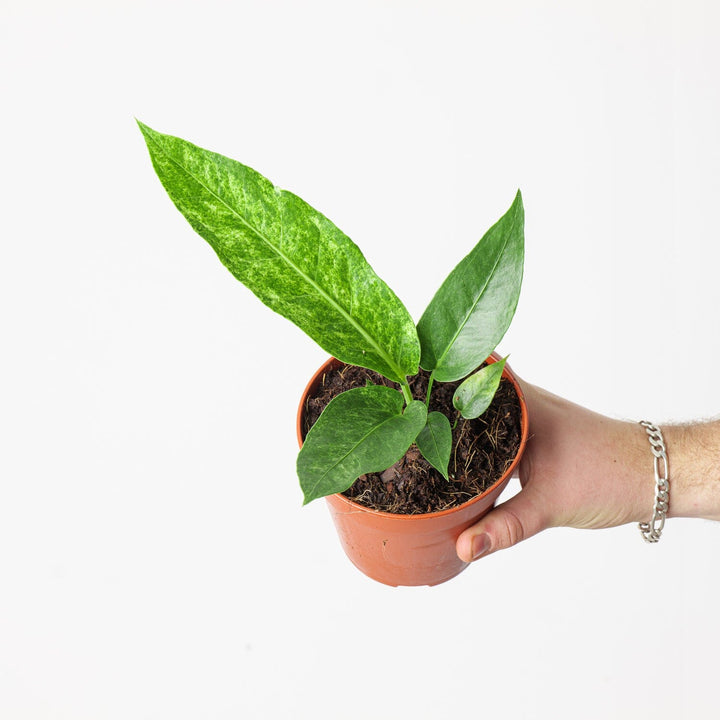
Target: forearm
x=694, y=469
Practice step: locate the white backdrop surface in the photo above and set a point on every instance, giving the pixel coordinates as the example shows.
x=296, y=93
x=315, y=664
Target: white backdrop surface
x=155, y=561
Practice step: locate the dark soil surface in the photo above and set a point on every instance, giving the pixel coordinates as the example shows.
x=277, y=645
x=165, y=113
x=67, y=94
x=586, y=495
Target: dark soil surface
x=482, y=448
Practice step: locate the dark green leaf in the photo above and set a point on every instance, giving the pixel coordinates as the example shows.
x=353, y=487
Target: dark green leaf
x=475, y=394
x=291, y=256
x=435, y=442
x=473, y=308
x=360, y=431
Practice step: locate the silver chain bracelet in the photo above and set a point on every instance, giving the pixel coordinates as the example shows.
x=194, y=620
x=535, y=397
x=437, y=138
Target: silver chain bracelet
x=651, y=531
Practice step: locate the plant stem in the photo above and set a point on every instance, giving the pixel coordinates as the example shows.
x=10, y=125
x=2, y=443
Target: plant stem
x=429, y=388
x=405, y=386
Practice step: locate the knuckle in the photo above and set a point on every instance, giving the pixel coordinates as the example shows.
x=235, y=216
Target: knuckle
x=513, y=530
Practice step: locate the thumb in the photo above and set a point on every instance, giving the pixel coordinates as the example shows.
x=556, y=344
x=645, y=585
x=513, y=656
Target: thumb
x=506, y=525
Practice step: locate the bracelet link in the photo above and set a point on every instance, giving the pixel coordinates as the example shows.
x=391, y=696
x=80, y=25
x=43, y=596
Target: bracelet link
x=651, y=531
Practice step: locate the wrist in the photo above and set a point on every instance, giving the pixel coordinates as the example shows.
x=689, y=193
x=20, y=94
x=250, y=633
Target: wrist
x=652, y=531
x=640, y=472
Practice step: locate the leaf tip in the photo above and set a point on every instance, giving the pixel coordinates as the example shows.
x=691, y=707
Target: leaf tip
x=148, y=133
x=143, y=127
x=308, y=494
x=517, y=204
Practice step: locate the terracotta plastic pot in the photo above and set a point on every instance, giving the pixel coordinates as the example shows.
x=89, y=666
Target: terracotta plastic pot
x=408, y=549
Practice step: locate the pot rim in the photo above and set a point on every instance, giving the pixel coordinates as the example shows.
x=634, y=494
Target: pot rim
x=524, y=433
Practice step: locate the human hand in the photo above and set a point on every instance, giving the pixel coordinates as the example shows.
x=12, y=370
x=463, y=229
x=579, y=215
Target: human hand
x=580, y=469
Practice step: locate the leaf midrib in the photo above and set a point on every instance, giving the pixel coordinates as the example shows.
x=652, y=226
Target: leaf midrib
x=433, y=437
x=400, y=374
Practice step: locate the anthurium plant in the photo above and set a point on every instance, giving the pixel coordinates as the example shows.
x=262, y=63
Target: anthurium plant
x=302, y=266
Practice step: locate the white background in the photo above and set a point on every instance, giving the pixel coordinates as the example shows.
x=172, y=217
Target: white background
x=155, y=560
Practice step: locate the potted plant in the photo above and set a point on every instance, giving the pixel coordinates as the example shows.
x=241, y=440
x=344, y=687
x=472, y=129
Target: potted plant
x=302, y=266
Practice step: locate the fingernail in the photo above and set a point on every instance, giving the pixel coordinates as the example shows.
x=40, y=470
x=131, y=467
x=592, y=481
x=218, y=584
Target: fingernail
x=480, y=545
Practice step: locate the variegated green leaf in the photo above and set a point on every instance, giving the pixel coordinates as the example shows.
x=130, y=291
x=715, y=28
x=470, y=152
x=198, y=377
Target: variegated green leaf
x=474, y=395
x=360, y=431
x=473, y=308
x=435, y=442
x=290, y=255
